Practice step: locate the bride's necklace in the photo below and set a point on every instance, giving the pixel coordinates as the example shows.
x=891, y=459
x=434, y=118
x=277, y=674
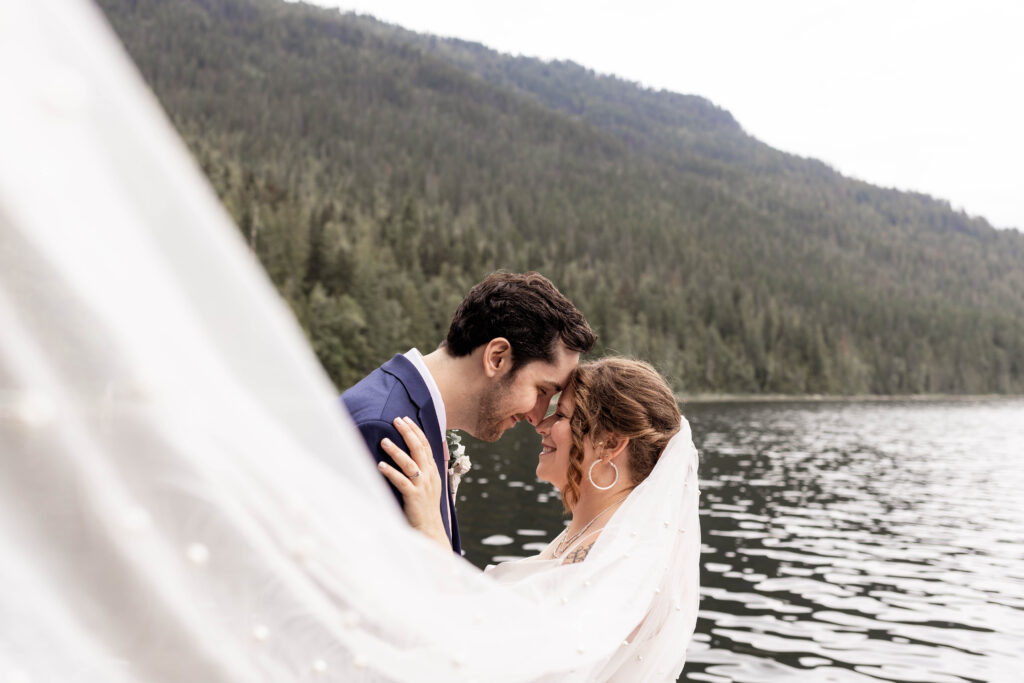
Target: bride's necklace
x=566, y=543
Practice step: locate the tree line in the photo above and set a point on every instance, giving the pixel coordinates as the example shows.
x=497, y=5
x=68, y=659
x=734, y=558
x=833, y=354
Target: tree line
x=378, y=173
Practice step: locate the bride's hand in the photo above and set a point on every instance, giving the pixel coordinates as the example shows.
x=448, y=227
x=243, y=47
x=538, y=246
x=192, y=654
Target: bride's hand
x=417, y=479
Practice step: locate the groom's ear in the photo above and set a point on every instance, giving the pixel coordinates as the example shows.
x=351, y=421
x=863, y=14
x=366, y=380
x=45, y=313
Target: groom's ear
x=497, y=357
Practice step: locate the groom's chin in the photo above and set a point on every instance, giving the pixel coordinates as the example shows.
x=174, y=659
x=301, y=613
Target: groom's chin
x=489, y=437
x=493, y=432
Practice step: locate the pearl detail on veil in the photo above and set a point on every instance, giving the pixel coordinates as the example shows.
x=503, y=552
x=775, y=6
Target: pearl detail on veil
x=197, y=553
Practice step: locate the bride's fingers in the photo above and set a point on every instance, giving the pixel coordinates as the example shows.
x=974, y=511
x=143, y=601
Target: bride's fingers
x=419, y=447
x=400, y=481
x=413, y=435
x=407, y=465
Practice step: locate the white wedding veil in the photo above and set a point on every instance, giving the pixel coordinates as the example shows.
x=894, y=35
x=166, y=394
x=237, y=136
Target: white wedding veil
x=182, y=497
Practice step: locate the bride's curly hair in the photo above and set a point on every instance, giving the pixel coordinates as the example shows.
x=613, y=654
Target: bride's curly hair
x=624, y=397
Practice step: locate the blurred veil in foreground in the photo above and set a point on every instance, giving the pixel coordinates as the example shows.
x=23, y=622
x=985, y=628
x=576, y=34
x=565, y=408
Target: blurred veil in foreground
x=181, y=495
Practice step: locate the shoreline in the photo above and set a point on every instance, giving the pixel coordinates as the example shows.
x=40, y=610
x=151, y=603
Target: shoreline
x=839, y=398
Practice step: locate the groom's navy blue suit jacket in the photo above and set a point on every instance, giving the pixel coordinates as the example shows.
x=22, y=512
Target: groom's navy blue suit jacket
x=396, y=389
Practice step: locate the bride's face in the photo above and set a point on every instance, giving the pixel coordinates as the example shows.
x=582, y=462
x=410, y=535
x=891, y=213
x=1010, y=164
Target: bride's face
x=556, y=441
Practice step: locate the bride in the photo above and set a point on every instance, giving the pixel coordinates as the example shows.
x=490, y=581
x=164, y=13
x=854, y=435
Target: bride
x=180, y=496
x=611, y=425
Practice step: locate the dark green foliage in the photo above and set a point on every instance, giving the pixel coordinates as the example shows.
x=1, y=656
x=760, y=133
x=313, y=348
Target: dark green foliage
x=378, y=174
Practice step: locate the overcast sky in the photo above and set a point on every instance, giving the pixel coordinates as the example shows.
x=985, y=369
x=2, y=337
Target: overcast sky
x=924, y=95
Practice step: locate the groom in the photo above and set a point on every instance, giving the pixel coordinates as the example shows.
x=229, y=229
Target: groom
x=511, y=346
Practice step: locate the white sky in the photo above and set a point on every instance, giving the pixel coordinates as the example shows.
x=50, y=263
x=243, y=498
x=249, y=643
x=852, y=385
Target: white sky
x=923, y=95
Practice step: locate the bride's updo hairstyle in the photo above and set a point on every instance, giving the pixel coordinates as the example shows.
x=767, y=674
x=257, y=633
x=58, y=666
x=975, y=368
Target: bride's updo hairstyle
x=625, y=397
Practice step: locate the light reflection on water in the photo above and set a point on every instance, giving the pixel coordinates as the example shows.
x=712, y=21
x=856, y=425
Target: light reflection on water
x=842, y=541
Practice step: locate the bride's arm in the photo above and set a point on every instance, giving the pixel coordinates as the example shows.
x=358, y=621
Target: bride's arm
x=422, y=491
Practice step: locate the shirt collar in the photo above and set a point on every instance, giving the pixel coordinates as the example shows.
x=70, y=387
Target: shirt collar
x=416, y=358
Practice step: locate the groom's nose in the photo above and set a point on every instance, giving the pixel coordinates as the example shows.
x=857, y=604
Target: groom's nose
x=536, y=414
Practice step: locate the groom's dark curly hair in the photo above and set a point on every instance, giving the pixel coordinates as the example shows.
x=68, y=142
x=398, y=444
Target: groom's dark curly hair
x=524, y=308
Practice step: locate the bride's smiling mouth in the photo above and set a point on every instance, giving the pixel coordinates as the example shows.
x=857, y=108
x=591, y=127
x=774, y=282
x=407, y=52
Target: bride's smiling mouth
x=546, y=449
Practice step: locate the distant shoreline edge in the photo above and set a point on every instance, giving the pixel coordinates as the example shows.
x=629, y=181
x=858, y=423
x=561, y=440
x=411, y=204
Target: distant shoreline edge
x=838, y=398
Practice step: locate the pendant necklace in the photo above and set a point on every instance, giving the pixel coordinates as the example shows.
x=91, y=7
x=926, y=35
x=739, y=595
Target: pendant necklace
x=567, y=543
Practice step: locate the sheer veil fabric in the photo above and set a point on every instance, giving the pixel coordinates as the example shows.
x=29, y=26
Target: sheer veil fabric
x=181, y=496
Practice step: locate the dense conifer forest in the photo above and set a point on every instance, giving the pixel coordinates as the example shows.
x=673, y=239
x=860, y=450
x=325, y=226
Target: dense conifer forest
x=378, y=173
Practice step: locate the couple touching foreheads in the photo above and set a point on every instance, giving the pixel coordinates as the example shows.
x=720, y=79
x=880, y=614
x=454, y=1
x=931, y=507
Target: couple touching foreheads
x=615, y=446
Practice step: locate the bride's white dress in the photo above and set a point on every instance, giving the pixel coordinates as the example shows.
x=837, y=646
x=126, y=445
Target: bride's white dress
x=181, y=496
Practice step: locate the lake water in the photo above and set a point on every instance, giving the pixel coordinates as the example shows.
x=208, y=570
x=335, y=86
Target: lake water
x=868, y=541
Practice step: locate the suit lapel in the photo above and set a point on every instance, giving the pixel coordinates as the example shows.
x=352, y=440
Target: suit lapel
x=406, y=373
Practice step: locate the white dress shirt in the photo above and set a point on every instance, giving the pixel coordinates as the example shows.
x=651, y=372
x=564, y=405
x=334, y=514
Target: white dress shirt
x=416, y=358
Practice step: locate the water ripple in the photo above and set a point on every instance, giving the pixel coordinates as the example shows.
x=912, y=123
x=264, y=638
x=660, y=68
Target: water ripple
x=894, y=533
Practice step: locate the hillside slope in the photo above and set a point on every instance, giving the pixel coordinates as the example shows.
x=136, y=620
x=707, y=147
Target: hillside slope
x=378, y=173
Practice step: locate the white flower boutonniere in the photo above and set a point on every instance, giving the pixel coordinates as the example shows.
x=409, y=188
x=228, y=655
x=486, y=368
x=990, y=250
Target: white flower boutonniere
x=458, y=461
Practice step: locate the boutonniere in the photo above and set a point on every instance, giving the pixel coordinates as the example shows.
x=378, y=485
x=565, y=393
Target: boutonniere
x=458, y=461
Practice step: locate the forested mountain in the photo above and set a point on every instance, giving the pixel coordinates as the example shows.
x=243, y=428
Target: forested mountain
x=378, y=173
